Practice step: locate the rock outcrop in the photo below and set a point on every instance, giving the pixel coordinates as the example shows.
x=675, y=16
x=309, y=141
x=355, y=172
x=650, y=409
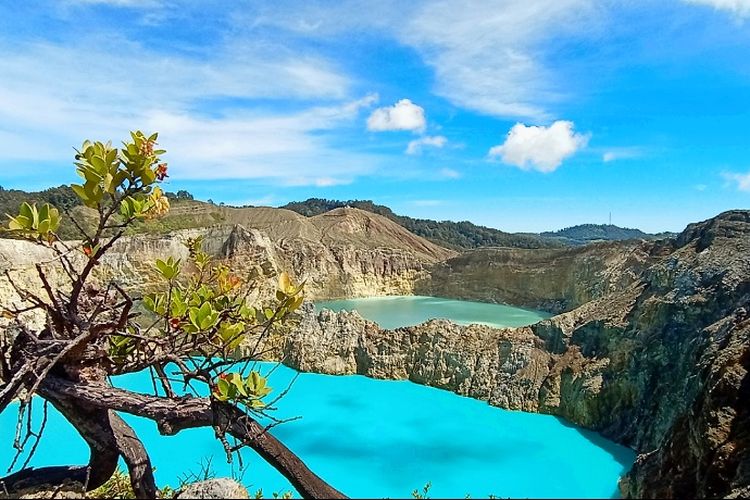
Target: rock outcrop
x=652, y=346
x=344, y=253
x=553, y=280
x=213, y=488
x=658, y=361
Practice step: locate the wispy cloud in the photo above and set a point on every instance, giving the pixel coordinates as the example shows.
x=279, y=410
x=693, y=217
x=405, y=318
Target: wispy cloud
x=486, y=57
x=740, y=181
x=317, y=181
x=613, y=154
x=539, y=148
x=489, y=58
x=435, y=141
x=740, y=8
x=449, y=173
x=203, y=107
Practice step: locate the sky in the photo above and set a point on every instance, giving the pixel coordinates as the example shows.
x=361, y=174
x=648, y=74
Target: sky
x=523, y=115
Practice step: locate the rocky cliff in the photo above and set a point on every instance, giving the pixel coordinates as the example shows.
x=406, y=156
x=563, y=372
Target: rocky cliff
x=658, y=360
x=553, y=280
x=652, y=346
x=344, y=253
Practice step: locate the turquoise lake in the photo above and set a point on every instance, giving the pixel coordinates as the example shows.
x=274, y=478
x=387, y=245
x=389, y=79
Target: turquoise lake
x=395, y=311
x=377, y=439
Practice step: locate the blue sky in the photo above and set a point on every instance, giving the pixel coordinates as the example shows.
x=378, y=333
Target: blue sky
x=524, y=115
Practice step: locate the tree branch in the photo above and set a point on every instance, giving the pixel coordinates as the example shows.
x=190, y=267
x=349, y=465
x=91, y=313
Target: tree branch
x=175, y=414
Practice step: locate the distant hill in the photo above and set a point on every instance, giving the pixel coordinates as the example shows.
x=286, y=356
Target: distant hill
x=456, y=235
x=587, y=233
x=188, y=213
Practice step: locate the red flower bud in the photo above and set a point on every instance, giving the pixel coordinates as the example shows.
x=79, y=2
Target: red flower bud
x=161, y=171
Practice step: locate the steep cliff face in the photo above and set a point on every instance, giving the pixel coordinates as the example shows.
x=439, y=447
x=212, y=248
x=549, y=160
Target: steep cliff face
x=660, y=363
x=345, y=253
x=554, y=280
x=652, y=347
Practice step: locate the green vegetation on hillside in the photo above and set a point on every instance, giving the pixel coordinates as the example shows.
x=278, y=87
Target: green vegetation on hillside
x=585, y=233
x=188, y=213
x=61, y=197
x=67, y=202
x=457, y=235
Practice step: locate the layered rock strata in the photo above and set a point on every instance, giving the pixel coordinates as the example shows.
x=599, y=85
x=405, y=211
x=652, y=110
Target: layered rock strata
x=554, y=280
x=346, y=253
x=660, y=363
x=652, y=347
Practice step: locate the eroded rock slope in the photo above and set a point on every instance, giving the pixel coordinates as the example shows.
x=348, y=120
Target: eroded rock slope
x=658, y=360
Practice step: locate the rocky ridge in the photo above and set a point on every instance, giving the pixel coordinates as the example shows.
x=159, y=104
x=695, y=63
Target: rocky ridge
x=657, y=360
x=650, y=348
x=346, y=253
x=553, y=280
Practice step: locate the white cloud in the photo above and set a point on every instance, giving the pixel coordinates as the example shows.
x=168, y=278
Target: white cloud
x=489, y=57
x=449, y=173
x=250, y=145
x=621, y=154
x=415, y=146
x=539, y=148
x=318, y=181
x=740, y=8
x=51, y=99
x=742, y=181
x=404, y=115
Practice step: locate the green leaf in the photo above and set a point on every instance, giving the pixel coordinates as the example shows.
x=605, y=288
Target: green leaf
x=19, y=223
x=169, y=269
x=236, y=380
x=148, y=176
x=25, y=210
x=296, y=303
x=98, y=164
x=80, y=192
x=111, y=156
x=223, y=389
x=193, y=315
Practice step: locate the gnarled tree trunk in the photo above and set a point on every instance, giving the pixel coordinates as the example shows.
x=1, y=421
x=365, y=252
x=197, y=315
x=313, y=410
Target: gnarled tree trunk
x=175, y=414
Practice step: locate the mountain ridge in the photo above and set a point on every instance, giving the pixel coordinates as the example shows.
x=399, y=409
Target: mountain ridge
x=465, y=235
x=188, y=213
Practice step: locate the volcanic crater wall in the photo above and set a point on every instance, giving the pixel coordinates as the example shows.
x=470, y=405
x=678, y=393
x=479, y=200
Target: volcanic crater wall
x=652, y=346
x=654, y=351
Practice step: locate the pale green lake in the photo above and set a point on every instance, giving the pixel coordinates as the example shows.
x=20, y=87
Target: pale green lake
x=396, y=311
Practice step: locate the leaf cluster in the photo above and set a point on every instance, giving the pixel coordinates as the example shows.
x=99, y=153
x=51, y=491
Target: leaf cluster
x=36, y=223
